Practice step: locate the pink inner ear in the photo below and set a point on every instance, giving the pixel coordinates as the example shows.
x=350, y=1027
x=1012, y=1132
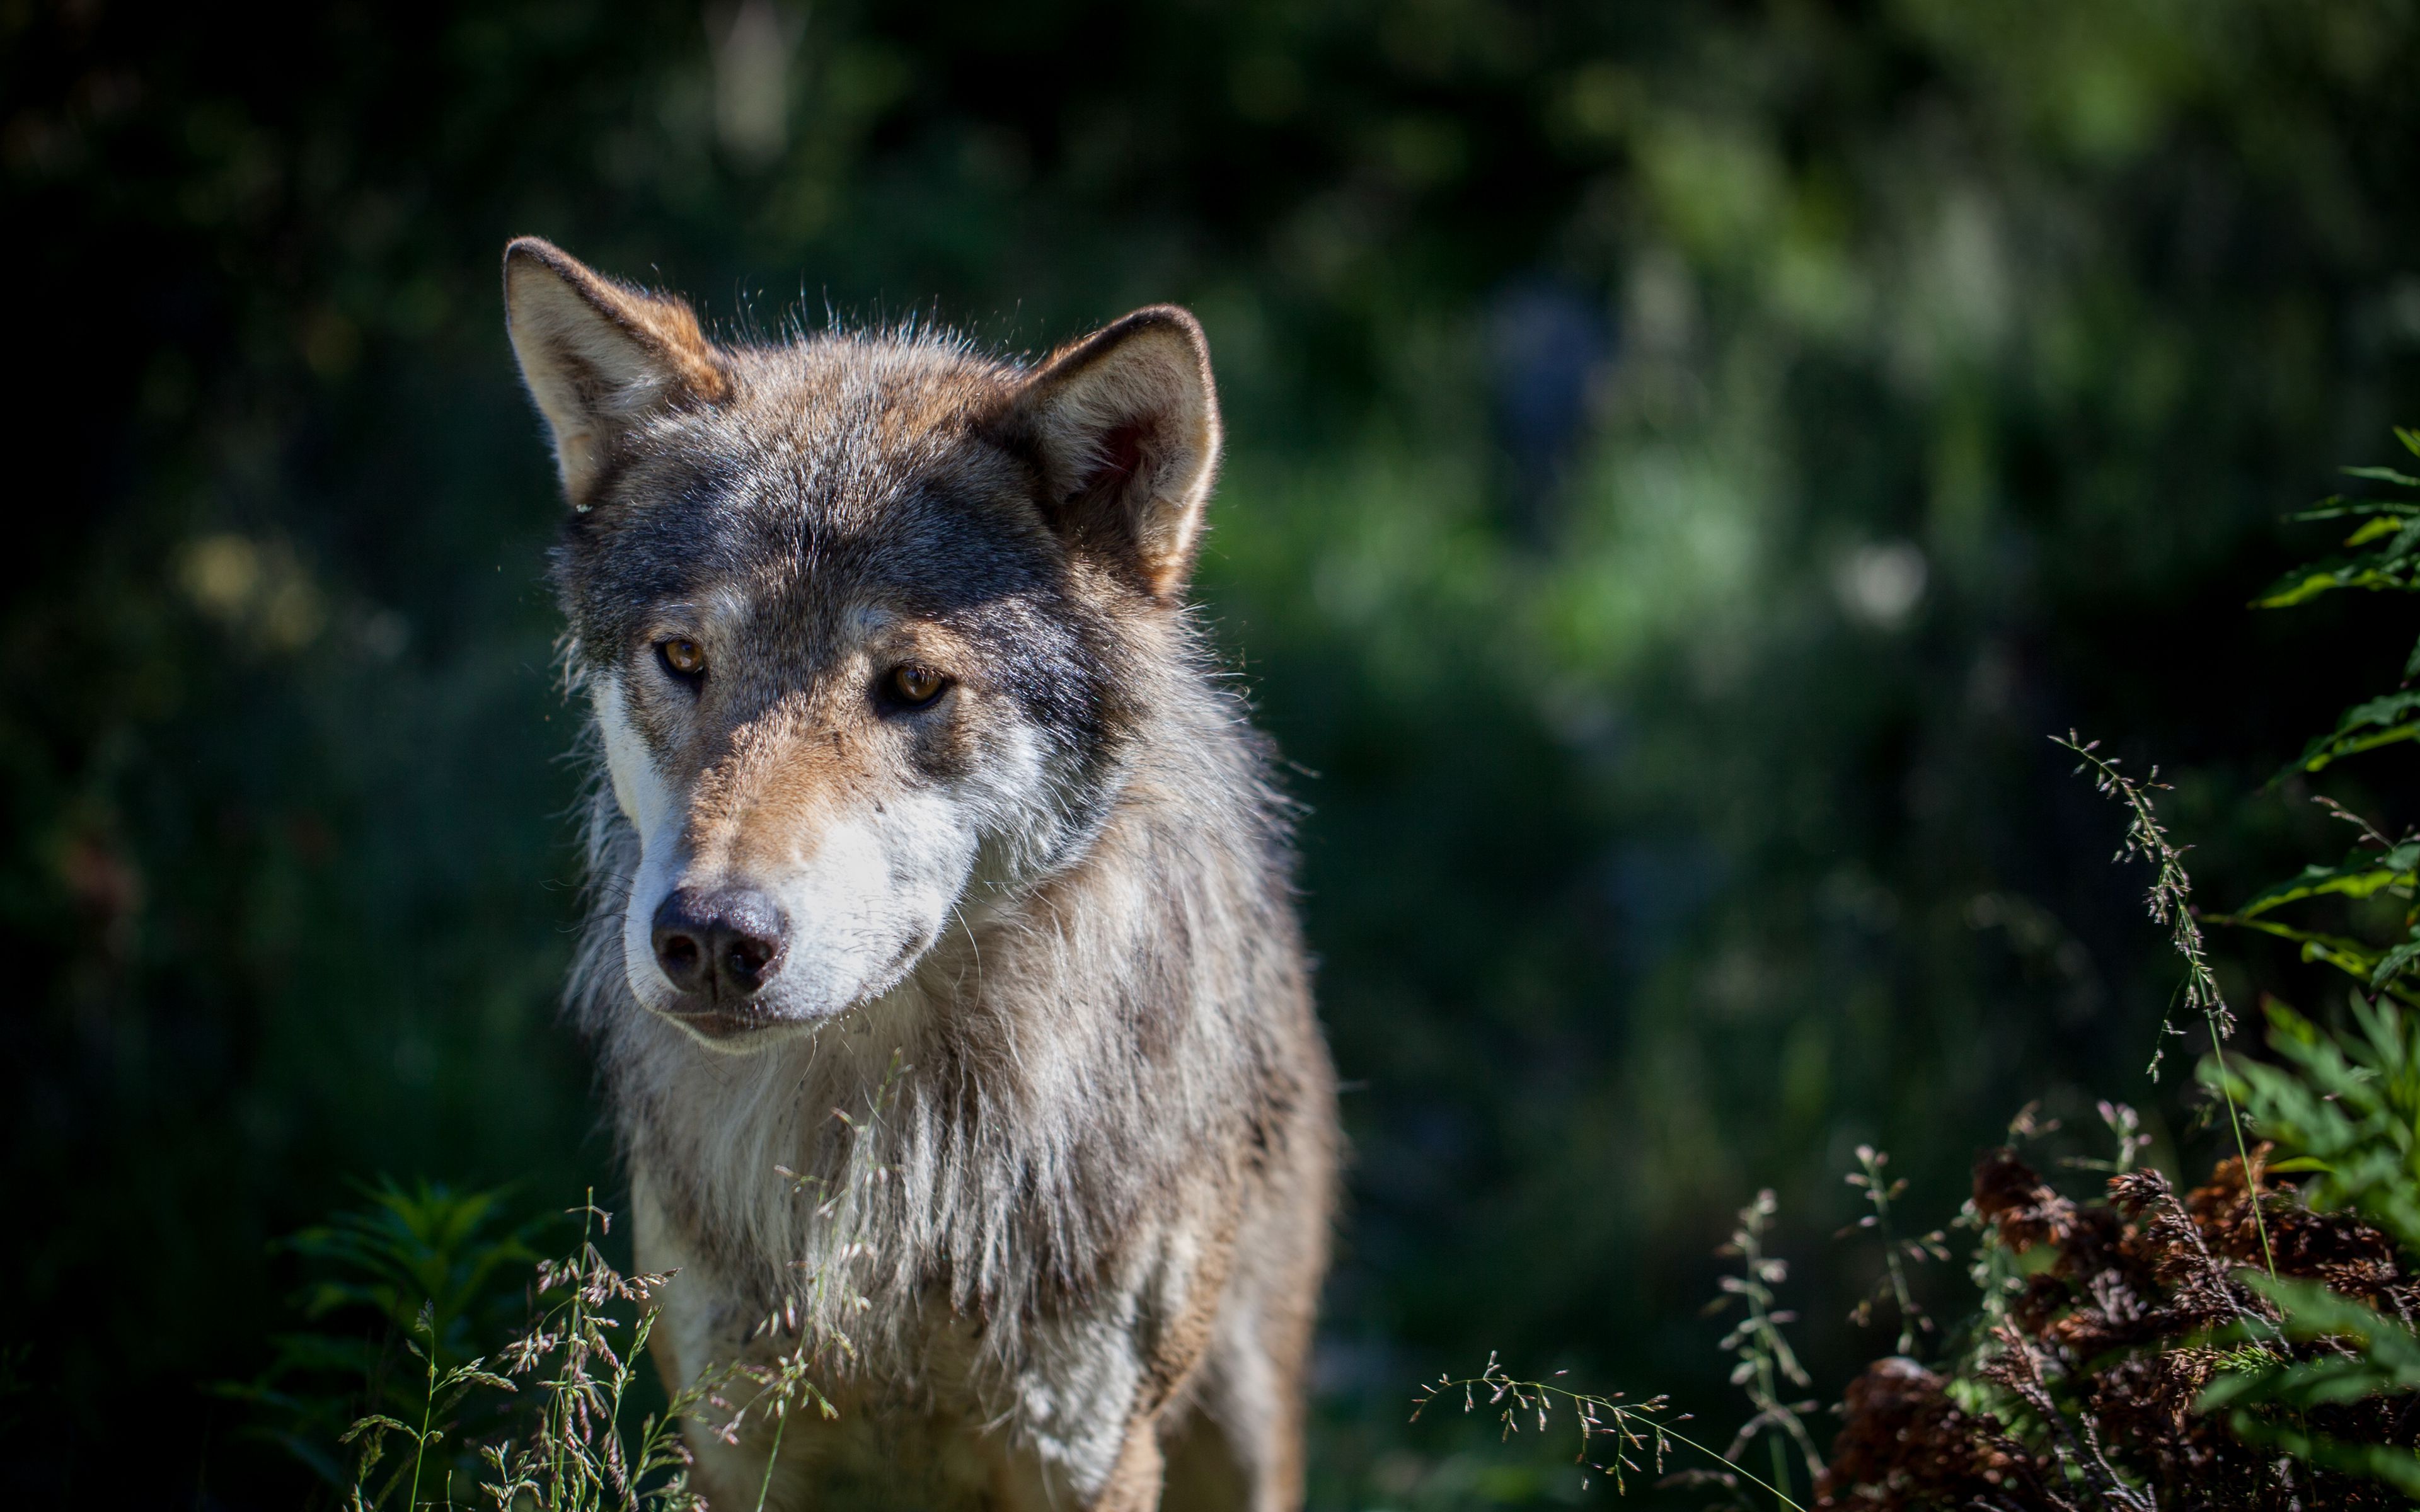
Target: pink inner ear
x=1121, y=458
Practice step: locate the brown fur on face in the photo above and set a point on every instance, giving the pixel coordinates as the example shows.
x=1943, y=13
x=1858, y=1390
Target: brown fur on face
x=1047, y=913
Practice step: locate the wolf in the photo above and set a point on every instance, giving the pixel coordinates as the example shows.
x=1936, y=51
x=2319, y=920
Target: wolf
x=944, y=968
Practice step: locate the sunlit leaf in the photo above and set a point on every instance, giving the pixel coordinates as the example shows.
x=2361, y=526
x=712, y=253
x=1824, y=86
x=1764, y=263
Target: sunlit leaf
x=2360, y=875
x=2336, y=506
x=2382, y=525
x=2396, y=961
x=2382, y=721
x=2349, y=956
x=2382, y=476
x=2376, y=573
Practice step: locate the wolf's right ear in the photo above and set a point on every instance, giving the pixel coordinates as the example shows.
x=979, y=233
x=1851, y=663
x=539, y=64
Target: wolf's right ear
x=599, y=356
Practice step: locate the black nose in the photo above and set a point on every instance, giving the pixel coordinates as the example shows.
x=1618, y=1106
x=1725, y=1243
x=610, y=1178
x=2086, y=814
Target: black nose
x=720, y=946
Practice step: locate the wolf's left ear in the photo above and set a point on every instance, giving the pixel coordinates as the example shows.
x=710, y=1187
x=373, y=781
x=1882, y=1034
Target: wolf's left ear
x=1125, y=426
x=599, y=356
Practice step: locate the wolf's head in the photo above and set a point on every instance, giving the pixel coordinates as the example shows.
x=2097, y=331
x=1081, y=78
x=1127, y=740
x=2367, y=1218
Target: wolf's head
x=868, y=623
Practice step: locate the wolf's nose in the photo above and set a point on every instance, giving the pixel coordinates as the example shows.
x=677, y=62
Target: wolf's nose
x=718, y=945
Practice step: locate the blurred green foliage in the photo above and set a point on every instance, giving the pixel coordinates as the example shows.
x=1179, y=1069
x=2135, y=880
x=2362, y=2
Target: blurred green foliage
x=1684, y=460
x=417, y=1281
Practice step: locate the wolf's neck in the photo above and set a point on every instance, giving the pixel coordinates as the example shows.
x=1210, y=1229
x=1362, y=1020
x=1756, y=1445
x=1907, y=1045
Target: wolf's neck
x=994, y=1125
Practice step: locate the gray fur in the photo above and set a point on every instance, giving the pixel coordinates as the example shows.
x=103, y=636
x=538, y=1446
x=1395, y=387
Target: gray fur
x=1077, y=1225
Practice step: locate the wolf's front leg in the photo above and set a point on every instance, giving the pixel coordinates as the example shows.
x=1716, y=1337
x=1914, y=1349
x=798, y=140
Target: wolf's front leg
x=696, y=1329
x=756, y=1465
x=1083, y=1427
x=1134, y=1483
x=1039, y=1478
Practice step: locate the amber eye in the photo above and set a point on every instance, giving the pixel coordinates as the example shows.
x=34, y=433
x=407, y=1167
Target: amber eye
x=682, y=657
x=913, y=685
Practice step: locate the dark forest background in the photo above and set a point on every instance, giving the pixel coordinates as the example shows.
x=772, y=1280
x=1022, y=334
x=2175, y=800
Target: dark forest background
x=1685, y=458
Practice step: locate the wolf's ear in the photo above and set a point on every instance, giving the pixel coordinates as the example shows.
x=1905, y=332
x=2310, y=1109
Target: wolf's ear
x=599, y=356
x=1125, y=426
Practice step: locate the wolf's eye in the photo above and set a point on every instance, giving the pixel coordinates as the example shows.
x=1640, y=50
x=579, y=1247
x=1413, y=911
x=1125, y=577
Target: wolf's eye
x=915, y=685
x=683, y=658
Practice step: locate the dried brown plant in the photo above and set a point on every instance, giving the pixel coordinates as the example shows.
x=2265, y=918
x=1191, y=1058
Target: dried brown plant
x=2085, y=1395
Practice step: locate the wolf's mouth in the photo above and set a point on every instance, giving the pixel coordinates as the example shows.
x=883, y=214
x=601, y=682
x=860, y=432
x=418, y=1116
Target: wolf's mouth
x=722, y=1023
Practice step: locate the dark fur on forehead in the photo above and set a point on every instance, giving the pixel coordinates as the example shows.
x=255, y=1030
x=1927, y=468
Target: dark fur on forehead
x=843, y=472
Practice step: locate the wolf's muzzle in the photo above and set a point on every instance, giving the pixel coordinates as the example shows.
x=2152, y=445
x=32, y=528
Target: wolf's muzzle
x=718, y=948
